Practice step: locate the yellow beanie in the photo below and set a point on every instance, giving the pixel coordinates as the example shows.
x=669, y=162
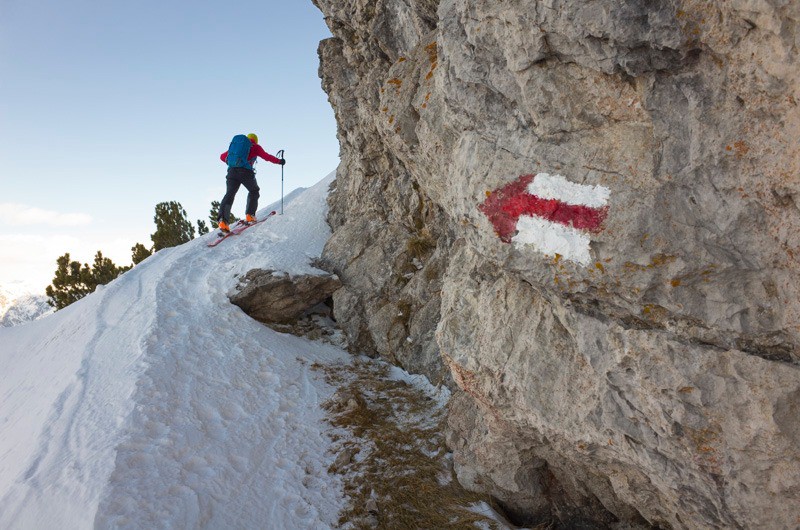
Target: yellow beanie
x=253, y=137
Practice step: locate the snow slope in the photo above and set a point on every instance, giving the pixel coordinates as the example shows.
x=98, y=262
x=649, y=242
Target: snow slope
x=156, y=403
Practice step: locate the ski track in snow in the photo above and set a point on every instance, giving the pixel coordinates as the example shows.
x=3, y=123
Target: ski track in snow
x=90, y=378
x=156, y=403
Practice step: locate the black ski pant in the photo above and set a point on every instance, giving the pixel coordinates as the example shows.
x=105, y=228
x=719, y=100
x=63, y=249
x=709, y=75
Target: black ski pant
x=239, y=176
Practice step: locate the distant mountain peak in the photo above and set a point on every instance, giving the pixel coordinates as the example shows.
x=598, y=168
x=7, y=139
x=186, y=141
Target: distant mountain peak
x=18, y=306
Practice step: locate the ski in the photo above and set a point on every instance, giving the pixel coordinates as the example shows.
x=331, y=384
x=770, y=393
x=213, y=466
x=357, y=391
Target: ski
x=220, y=237
x=237, y=229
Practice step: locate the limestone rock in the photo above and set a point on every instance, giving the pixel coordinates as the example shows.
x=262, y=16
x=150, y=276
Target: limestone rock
x=638, y=369
x=280, y=298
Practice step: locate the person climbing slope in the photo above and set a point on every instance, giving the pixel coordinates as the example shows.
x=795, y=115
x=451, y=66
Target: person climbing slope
x=241, y=157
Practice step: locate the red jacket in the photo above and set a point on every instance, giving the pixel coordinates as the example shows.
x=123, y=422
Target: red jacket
x=255, y=150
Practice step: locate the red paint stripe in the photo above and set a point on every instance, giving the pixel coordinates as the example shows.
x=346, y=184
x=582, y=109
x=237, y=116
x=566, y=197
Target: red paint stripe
x=505, y=225
x=504, y=207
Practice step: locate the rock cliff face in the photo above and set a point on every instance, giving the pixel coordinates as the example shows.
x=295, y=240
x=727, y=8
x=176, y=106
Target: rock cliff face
x=584, y=216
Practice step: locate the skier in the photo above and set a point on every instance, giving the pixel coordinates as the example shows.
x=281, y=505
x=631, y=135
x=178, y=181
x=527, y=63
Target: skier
x=241, y=158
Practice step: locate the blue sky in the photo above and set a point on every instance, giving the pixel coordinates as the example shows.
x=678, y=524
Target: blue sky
x=109, y=107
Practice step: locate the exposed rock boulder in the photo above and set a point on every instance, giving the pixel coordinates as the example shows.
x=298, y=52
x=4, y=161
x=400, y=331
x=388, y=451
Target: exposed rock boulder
x=584, y=216
x=275, y=298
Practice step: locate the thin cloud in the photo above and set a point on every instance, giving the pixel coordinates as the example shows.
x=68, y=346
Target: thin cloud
x=12, y=214
x=31, y=259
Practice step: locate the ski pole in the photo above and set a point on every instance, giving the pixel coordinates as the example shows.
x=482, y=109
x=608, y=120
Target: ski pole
x=280, y=155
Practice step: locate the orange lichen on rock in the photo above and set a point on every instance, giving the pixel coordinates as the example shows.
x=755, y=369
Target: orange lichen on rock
x=433, y=54
x=741, y=148
x=433, y=57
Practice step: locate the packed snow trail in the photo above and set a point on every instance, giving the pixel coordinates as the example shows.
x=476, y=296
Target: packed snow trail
x=155, y=402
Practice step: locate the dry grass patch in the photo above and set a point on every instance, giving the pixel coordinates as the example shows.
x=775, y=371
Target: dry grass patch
x=390, y=450
x=421, y=244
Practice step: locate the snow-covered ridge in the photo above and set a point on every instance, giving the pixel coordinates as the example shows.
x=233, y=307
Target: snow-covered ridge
x=154, y=402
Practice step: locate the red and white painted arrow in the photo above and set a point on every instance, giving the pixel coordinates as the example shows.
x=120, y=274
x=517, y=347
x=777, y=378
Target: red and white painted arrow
x=549, y=213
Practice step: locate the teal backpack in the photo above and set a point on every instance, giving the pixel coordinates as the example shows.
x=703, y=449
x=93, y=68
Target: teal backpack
x=238, y=152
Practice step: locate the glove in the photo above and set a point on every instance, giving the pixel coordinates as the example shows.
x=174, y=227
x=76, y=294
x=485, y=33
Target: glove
x=283, y=161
